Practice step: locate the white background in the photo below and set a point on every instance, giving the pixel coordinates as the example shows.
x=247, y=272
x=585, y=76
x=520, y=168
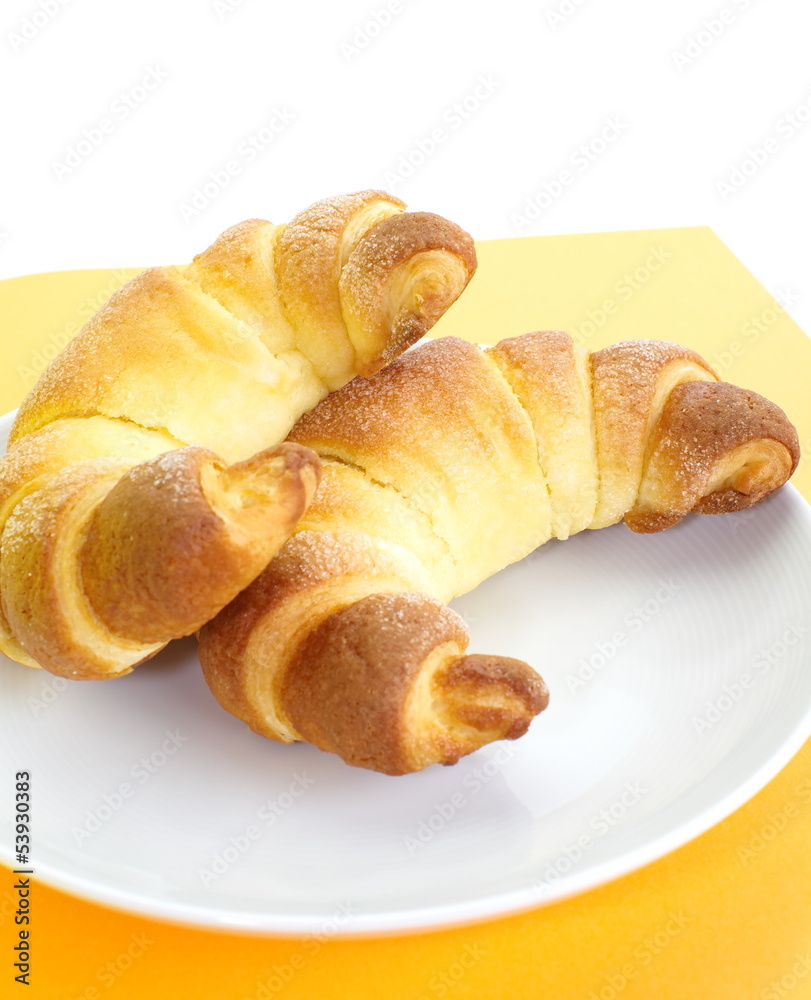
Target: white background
x=355, y=91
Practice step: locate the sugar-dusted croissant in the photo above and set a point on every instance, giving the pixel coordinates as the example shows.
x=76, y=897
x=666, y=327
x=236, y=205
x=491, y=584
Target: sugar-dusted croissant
x=445, y=467
x=110, y=547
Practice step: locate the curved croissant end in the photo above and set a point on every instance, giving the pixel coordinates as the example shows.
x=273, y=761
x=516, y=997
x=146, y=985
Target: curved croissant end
x=398, y=282
x=106, y=565
x=397, y=273
x=309, y=256
x=716, y=448
x=384, y=683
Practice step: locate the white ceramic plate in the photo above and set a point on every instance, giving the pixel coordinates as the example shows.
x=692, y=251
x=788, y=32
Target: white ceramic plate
x=679, y=670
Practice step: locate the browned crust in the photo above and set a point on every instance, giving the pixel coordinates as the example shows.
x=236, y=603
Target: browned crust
x=350, y=684
x=539, y=356
x=346, y=687
x=630, y=366
x=250, y=642
x=521, y=693
x=701, y=423
x=625, y=380
x=365, y=280
x=398, y=409
x=162, y=555
x=146, y=554
x=308, y=257
x=305, y=562
x=238, y=270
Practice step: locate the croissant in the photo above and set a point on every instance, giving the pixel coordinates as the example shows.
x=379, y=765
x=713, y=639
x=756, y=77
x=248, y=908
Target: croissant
x=448, y=465
x=145, y=483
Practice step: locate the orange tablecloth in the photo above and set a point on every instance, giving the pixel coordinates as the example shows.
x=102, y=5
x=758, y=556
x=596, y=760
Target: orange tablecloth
x=727, y=917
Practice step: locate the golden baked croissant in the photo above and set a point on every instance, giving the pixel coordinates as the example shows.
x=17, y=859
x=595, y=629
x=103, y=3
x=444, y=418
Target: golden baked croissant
x=445, y=467
x=141, y=491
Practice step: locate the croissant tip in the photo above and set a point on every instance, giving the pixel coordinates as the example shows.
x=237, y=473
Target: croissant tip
x=486, y=698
